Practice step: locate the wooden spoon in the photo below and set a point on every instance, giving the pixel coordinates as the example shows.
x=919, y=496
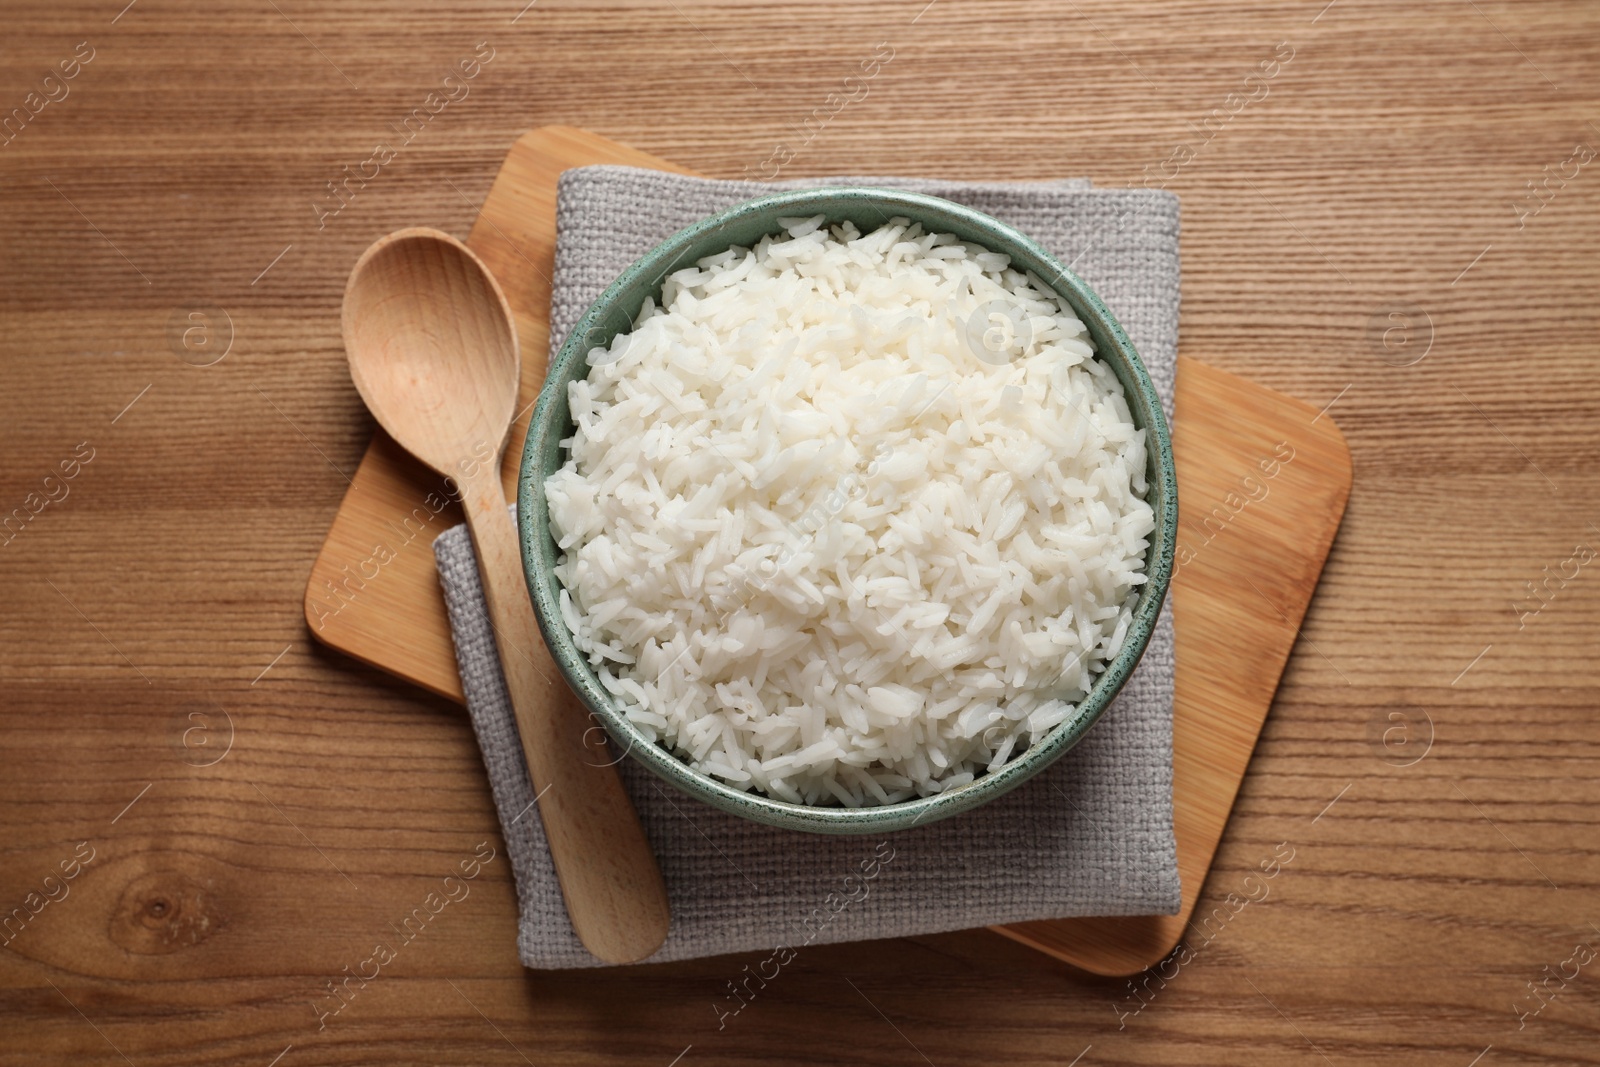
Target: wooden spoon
x=433, y=352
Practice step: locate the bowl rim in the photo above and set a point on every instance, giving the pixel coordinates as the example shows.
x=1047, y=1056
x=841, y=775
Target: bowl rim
x=543, y=586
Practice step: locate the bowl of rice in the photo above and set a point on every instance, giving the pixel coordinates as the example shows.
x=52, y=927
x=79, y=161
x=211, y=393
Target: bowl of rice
x=847, y=509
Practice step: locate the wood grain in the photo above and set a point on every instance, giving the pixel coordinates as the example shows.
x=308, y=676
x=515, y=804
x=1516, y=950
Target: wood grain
x=1234, y=440
x=1389, y=153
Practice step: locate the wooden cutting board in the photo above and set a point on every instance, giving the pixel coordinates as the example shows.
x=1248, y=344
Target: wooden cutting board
x=1262, y=477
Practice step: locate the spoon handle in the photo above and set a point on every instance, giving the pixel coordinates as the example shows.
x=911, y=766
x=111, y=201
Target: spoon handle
x=613, y=889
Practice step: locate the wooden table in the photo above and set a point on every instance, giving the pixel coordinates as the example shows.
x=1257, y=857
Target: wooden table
x=1360, y=231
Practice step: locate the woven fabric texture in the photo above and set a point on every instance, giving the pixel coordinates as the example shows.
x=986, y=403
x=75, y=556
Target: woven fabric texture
x=1092, y=835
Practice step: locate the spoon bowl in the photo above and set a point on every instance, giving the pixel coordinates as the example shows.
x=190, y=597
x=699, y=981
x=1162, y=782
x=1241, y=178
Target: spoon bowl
x=439, y=364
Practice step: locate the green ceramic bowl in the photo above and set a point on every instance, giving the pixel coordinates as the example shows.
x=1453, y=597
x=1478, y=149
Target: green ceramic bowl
x=744, y=225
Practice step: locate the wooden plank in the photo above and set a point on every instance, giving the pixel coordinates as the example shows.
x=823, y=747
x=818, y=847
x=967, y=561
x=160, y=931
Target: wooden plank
x=1391, y=152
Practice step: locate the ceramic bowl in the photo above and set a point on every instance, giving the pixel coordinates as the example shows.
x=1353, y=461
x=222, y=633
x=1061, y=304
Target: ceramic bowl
x=744, y=225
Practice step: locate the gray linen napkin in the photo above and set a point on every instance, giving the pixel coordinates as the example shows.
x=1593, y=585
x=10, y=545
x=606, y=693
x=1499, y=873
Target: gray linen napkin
x=1090, y=836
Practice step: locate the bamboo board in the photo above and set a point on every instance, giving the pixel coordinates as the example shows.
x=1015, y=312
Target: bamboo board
x=1255, y=529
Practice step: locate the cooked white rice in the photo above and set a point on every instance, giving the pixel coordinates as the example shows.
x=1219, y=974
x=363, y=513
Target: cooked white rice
x=818, y=547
